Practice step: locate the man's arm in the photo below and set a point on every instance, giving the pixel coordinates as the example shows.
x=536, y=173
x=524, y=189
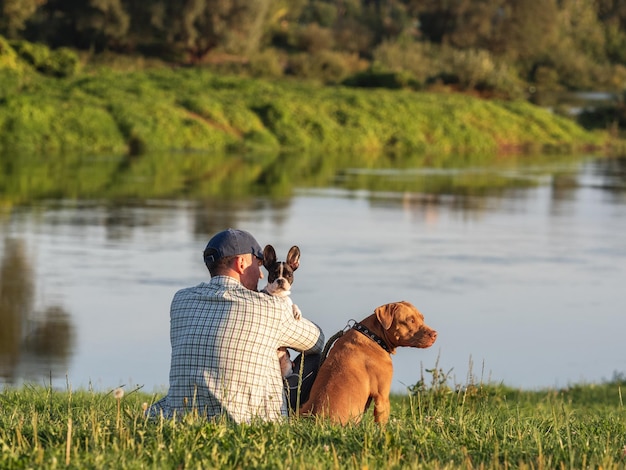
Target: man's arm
x=304, y=335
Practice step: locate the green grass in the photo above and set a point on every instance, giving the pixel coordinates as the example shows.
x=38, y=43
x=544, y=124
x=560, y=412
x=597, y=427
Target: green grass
x=474, y=426
x=156, y=110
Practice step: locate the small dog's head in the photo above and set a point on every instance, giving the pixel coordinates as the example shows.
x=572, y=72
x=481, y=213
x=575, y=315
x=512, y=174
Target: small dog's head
x=280, y=273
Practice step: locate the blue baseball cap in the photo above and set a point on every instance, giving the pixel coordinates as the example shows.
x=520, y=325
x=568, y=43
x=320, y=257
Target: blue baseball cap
x=231, y=242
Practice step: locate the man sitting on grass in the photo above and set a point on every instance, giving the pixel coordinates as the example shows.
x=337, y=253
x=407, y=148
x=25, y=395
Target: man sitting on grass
x=224, y=337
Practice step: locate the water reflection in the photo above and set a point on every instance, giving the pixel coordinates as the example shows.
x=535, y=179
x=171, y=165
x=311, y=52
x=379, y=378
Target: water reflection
x=611, y=175
x=199, y=176
x=31, y=342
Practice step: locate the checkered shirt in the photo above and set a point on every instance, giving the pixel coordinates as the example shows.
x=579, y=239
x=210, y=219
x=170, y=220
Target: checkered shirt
x=224, y=339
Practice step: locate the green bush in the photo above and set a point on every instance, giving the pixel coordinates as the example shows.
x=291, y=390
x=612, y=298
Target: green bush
x=616, y=43
x=478, y=69
x=8, y=57
x=9, y=83
x=62, y=62
x=267, y=63
x=546, y=78
x=313, y=38
x=325, y=66
x=42, y=124
x=421, y=60
x=320, y=12
x=278, y=118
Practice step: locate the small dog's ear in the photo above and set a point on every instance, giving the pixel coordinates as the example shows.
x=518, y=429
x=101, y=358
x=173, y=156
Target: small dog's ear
x=384, y=314
x=269, y=256
x=293, y=257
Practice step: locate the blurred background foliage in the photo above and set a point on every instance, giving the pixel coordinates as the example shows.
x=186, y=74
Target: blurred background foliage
x=501, y=47
x=532, y=50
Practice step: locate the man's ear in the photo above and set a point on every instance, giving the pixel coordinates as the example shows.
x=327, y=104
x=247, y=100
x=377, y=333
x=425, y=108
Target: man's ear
x=239, y=264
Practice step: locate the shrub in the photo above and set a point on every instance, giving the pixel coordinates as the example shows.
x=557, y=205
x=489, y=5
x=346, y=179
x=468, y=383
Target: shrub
x=320, y=12
x=62, y=62
x=267, y=63
x=351, y=35
x=277, y=117
x=416, y=58
x=313, y=38
x=8, y=57
x=577, y=72
x=9, y=83
x=34, y=54
x=617, y=79
x=327, y=66
x=616, y=43
x=546, y=78
x=36, y=123
x=477, y=69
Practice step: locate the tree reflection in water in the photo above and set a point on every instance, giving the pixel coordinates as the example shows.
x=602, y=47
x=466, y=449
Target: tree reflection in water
x=30, y=342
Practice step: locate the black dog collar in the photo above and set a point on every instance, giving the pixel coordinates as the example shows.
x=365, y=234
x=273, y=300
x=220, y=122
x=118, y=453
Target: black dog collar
x=371, y=335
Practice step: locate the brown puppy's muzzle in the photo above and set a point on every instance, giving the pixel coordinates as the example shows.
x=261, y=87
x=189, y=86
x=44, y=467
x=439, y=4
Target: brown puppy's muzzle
x=425, y=337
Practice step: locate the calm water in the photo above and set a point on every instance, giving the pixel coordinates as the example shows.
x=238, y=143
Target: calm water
x=523, y=275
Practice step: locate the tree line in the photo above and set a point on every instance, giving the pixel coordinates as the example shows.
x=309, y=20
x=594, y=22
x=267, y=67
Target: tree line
x=493, y=46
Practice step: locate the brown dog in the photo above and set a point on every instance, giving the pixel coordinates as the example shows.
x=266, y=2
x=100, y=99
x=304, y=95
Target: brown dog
x=358, y=367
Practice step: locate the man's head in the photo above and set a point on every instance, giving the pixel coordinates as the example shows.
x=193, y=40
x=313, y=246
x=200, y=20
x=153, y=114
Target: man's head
x=237, y=254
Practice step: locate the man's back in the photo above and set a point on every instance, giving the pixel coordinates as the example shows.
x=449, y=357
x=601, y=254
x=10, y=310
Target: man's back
x=224, y=339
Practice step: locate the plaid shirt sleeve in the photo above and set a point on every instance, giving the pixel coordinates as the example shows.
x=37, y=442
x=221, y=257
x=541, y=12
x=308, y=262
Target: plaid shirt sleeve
x=224, y=339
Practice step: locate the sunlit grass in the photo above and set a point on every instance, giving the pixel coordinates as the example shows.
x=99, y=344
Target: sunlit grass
x=433, y=426
x=193, y=109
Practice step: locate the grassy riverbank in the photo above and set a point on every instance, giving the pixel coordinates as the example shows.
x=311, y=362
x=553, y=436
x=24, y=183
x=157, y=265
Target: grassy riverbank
x=102, y=111
x=475, y=427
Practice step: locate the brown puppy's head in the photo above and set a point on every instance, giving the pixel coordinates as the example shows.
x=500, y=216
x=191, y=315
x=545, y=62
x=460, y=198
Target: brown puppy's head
x=404, y=325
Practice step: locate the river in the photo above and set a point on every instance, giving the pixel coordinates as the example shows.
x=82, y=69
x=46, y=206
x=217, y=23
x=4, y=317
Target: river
x=520, y=266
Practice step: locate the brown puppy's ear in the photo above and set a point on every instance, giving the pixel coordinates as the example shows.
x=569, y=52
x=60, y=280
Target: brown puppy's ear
x=384, y=314
x=293, y=257
x=269, y=256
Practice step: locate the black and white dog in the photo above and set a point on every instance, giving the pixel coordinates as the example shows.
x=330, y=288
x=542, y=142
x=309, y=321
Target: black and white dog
x=279, y=282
